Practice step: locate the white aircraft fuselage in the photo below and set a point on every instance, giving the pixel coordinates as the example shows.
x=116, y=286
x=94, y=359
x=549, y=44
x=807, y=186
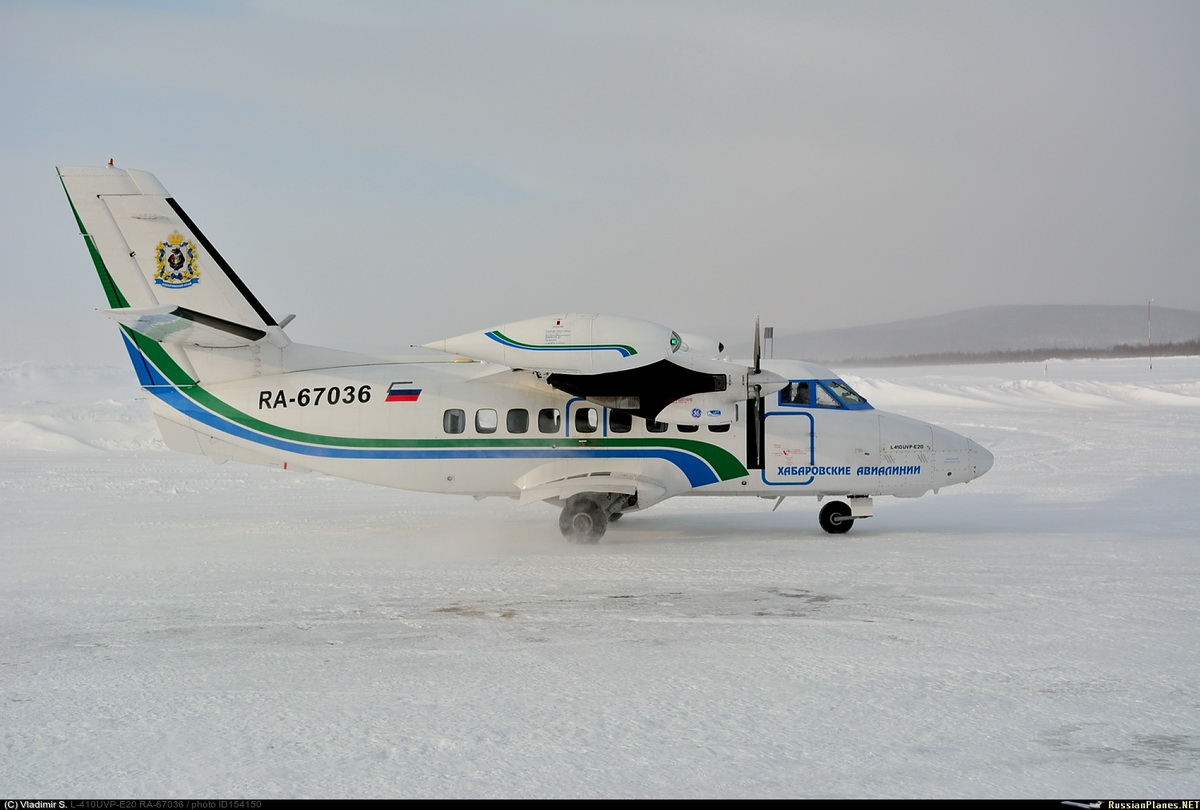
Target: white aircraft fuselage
x=599, y=415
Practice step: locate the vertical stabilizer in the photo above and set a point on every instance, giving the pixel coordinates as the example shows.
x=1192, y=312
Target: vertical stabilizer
x=182, y=307
x=149, y=252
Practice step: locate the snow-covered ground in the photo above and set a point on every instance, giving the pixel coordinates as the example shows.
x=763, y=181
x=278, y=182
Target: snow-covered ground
x=169, y=627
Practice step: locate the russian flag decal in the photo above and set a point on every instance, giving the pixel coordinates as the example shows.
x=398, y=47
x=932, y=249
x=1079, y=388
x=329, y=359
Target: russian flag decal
x=403, y=392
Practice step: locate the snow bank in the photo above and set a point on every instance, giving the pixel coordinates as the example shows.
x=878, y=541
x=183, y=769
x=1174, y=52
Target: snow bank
x=69, y=408
x=174, y=628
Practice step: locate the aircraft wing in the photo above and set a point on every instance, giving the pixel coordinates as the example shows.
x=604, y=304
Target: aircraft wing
x=626, y=364
x=647, y=490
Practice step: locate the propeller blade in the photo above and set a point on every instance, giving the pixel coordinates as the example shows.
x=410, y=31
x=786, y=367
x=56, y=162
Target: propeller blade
x=757, y=345
x=756, y=438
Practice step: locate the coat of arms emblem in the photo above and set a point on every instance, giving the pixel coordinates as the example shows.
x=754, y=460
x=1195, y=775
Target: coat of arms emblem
x=175, y=258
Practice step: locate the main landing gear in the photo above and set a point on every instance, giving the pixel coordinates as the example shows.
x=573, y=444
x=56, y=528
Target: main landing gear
x=582, y=520
x=585, y=517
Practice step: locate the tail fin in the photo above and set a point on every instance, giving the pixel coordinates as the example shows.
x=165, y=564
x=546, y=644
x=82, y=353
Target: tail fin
x=166, y=284
x=148, y=252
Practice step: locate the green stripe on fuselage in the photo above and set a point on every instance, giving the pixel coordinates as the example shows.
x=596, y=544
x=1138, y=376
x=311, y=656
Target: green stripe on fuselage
x=723, y=463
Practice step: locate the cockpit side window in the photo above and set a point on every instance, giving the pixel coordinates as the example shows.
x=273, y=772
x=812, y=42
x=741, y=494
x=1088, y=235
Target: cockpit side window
x=796, y=393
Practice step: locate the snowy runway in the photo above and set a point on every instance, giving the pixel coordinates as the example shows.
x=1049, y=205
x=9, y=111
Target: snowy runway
x=174, y=628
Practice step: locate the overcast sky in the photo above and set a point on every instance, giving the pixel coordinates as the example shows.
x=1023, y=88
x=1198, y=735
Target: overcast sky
x=395, y=173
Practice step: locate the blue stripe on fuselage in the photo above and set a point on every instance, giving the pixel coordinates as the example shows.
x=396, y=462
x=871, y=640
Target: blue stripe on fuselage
x=697, y=471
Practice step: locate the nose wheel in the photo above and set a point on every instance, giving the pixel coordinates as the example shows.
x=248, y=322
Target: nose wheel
x=835, y=517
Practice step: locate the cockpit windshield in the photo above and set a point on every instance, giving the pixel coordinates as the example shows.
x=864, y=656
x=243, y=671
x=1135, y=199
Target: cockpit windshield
x=821, y=394
x=845, y=392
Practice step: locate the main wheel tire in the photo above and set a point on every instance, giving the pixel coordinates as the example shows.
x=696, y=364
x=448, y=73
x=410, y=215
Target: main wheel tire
x=582, y=521
x=835, y=517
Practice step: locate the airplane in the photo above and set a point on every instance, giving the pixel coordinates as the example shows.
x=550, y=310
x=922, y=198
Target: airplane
x=597, y=415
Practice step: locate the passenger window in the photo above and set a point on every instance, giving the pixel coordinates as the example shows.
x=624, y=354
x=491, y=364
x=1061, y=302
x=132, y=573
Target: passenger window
x=619, y=421
x=549, y=420
x=656, y=427
x=586, y=420
x=486, y=421
x=454, y=420
x=688, y=428
x=517, y=421
x=796, y=393
x=718, y=428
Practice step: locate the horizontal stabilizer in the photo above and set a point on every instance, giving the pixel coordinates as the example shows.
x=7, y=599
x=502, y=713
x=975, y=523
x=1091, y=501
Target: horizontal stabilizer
x=168, y=323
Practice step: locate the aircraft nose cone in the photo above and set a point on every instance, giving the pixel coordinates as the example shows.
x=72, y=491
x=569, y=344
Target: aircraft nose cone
x=981, y=458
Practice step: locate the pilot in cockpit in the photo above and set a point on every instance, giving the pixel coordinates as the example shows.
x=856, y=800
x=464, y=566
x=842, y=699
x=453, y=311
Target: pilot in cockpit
x=796, y=393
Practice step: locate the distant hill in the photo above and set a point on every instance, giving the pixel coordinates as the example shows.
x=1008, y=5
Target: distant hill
x=996, y=333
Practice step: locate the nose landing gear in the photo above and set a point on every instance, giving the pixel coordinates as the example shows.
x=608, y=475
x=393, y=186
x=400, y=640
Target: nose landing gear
x=837, y=517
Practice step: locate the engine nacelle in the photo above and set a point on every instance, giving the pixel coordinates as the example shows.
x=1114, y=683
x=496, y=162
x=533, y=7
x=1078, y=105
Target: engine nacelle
x=702, y=345
x=714, y=408
x=570, y=344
